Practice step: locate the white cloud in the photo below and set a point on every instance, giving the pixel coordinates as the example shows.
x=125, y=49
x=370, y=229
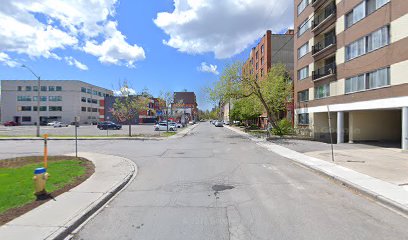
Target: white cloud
x=124, y=91
x=6, y=60
x=204, y=67
x=115, y=49
x=38, y=28
x=73, y=62
x=223, y=27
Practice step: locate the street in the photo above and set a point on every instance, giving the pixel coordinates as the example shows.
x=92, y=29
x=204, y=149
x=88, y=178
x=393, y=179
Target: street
x=215, y=184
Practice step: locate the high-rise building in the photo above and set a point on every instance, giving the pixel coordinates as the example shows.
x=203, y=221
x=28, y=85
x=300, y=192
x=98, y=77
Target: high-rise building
x=351, y=65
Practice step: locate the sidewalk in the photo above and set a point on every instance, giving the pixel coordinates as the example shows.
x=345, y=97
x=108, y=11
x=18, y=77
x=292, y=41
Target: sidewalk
x=57, y=218
x=374, y=180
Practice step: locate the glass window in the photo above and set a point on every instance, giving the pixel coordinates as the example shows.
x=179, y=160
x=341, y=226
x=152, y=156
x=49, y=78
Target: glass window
x=26, y=108
x=303, y=27
x=303, y=73
x=83, y=109
x=54, y=108
x=58, y=88
x=51, y=88
x=355, y=49
x=355, y=84
x=28, y=88
x=83, y=89
x=303, y=118
x=303, y=50
x=42, y=108
x=26, y=119
x=83, y=99
x=19, y=88
x=24, y=98
x=94, y=110
x=262, y=48
x=303, y=96
x=302, y=5
x=89, y=100
x=378, y=39
x=88, y=90
x=43, y=88
x=55, y=98
x=94, y=101
x=43, y=98
x=95, y=92
x=378, y=78
x=35, y=88
x=89, y=109
x=322, y=91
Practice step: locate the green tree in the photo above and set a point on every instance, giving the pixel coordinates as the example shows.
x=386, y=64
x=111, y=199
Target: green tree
x=166, y=100
x=246, y=109
x=272, y=92
x=128, y=105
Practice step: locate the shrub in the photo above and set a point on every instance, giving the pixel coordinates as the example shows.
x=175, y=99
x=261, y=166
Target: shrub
x=284, y=127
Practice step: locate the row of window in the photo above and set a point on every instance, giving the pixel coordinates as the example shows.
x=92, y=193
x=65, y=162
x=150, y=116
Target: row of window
x=89, y=100
x=43, y=88
x=42, y=108
x=369, y=43
x=302, y=6
x=303, y=50
x=94, y=92
x=304, y=26
x=362, y=10
x=371, y=80
x=42, y=98
x=89, y=109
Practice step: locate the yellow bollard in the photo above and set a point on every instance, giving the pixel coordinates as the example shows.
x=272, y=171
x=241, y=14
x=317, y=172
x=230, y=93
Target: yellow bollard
x=40, y=179
x=45, y=151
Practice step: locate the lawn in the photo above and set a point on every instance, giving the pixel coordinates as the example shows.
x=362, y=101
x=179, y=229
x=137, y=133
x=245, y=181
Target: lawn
x=167, y=134
x=17, y=185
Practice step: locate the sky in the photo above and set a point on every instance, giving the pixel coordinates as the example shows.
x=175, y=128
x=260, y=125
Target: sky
x=159, y=45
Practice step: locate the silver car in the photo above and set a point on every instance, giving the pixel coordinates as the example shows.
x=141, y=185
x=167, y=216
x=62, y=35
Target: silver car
x=219, y=124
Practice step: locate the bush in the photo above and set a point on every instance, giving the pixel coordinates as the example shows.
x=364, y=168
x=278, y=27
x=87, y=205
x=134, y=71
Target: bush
x=284, y=127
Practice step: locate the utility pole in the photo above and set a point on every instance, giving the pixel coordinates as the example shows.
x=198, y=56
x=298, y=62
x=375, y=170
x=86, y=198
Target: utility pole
x=38, y=98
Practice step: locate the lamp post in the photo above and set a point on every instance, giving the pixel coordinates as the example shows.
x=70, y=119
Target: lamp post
x=38, y=98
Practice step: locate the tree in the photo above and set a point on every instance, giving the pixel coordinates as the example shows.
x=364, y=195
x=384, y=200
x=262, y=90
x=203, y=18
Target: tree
x=166, y=99
x=246, y=109
x=272, y=92
x=128, y=106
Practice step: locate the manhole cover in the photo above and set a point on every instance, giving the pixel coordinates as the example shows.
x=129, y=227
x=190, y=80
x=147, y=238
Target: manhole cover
x=219, y=188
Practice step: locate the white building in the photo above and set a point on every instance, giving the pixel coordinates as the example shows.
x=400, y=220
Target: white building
x=60, y=100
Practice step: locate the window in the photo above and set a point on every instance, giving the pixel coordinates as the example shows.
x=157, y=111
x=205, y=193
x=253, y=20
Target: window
x=379, y=78
x=55, y=98
x=83, y=89
x=303, y=73
x=261, y=72
x=99, y=94
x=302, y=5
x=303, y=119
x=362, y=10
x=369, y=43
x=94, y=101
x=28, y=88
x=95, y=92
x=83, y=99
x=24, y=98
x=94, y=110
x=83, y=109
x=303, y=96
x=19, y=88
x=58, y=88
x=262, y=61
x=256, y=65
x=26, y=108
x=26, y=119
x=378, y=39
x=256, y=55
x=88, y=90
x=54, y=109
x=322, y=91
x=89, y=109
x=35, y=88
x=42, y=108
x=303, y=50
x=51, y=88
x=303, y=27
x=262, y=48
x=42, y=98
x=43, y=88
x=355, y=84
x=89, y=100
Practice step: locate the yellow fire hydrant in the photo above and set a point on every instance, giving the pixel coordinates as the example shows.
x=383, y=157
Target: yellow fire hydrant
x=40, y=178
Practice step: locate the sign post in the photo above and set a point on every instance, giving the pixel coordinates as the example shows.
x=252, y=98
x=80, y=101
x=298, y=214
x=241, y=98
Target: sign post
x=107, y=129
x=76, y=135
x=45, y=151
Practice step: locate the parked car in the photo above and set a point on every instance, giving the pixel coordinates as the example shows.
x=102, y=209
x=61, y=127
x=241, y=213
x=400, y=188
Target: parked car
x=219, y=124
x=179, y=125
x=162, y=126
x=51, y=123
x=60, y=124
x=10, y=123
x=226, y=122
x=108, y=125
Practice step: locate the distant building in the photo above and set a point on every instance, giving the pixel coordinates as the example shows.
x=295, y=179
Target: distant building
x=271, y=49
x=60, y=100
x=184, y=106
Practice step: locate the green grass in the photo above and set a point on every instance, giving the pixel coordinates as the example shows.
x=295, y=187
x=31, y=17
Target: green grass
x=167, y=134
x=17, y=184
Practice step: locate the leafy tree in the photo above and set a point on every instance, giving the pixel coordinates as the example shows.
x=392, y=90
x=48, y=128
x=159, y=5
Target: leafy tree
x=246, y=109
x=166, y=99
x=272, y=91
x=128, y=106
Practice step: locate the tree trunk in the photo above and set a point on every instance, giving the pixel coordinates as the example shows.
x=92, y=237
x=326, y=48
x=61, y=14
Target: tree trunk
x=130, y=128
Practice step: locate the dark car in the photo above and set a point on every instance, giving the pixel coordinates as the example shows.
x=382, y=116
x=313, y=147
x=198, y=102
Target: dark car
x=10, y=123
x=108, y=125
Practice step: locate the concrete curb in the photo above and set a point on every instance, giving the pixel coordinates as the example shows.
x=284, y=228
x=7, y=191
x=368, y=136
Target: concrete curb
x=184, y=132
x=387, y=194
x=91, y=201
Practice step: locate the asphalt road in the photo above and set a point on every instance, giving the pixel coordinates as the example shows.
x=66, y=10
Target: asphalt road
x=215, y=184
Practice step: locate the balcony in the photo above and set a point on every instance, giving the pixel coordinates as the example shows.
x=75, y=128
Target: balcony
x=324, y=72
x=328, y=42
x=317, y=3
x=324, y=16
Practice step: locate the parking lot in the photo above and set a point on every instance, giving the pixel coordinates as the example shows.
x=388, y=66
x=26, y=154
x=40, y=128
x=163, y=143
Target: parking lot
x=85, y=130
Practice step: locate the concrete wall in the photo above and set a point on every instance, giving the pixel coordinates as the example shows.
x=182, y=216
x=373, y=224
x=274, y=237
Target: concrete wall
x=376, y=125
x=321, y=126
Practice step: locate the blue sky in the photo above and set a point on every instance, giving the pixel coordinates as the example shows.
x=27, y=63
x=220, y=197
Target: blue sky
x=165, y=67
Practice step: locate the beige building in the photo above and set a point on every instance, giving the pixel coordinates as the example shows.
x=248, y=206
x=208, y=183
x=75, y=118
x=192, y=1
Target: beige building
x=351, y=58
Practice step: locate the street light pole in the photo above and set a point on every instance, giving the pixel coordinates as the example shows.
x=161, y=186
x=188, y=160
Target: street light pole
x=38, y=98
